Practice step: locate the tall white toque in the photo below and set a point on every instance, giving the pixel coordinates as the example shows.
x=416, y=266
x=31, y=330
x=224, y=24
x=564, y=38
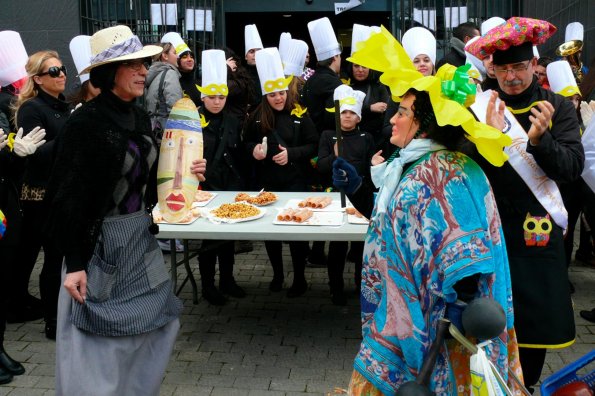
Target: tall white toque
x=251, y=38
x=270, y=71
x=561, y=79
x=491, y=23
x=323, y=39
x=80, y=49
x=13, y=58
x=361, y=33
x=293, y=57
x=349, y=99
x=176, y=40
x=214, y=73
x=283, y=41
x=574, y=31
x=417, y=41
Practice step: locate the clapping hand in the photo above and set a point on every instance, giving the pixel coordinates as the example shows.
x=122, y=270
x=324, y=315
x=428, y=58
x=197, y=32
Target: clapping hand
x=3, y=138
x=27, y=145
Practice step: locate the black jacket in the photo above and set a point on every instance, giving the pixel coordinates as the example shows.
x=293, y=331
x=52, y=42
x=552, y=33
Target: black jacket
x=188, y=83
x=456, y=56
x=371, y=122
x=317, y=96
x=51, y=114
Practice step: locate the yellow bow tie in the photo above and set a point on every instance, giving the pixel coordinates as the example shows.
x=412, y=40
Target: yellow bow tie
x=298, y=111
x=278, y=84
x=203, y=121
x=214, y=89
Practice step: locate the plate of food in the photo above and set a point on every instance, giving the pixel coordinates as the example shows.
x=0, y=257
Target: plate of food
x=235, y=213
x=316, y=204
x=355, y=217
x=190, y=217
x=202, y=198
x=307, y=216
x=263, y=198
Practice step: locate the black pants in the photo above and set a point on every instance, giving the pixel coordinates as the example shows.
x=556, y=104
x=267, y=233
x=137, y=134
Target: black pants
x=212, y=250
x=8, y=255
x=298, y=251
x=337, y=254
x=532, y=360
x=32, y=240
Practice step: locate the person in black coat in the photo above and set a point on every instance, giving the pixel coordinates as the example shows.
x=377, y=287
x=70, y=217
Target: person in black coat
x=460, y=36
x=40, y=103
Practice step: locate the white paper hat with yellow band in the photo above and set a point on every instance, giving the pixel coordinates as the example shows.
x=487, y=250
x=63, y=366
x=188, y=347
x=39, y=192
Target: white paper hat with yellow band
x=283, y=42
x=176, y=40
x=214, y=73
x=251, y=38
x=349, y=99
x=418, y=41
x=323, y=39
x=561, y=79
x=270, y=71
x=361, y=33
x=477, y=70
x=13, y=58
x=293, y=57
x=80, y=49
x=491, y=23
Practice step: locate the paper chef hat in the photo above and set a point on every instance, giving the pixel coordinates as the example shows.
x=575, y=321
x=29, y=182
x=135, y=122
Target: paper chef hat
x=13, y=58
x=361, y=33
x=477, y=70
x=418, y=41
x=535, y=52
x=80, y=49
x=270, y=71
x=491, y=23
x=293, y=57
x=214, y=73
x=323, y=39
x=349, y=99
x=283, y=41
x=251, y=38
x=176, y=40
x=574, y=31
x=561, y=78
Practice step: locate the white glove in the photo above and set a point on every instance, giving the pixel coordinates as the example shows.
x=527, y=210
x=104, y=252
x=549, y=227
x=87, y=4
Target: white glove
x=24, y=146
x=264, y=146
x=76, y=107
x=3, y=138
x=587, y=111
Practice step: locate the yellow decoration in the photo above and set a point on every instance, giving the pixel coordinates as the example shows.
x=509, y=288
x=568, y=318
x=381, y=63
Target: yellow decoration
x=10, y=140
x=349, y=100
x=278, y=84
x=203, y=121
x=298, y=111
x=384, y=53
x=214, y=89
x=182, y=47
x=569, y=91
x=346, y=81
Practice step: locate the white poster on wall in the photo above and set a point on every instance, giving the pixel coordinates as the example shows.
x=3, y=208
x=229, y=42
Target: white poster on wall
x=199, y=20
x=164, y=14
x=454, y=16
x=425, y=17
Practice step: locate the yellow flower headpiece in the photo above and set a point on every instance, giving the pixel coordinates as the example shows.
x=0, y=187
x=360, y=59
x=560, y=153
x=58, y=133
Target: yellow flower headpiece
x=279, y=84
x=384, y=53
x=298, y=111
x=213, y=89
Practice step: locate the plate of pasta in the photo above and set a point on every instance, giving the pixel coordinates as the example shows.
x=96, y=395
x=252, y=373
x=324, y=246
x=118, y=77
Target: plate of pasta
x=235, y=213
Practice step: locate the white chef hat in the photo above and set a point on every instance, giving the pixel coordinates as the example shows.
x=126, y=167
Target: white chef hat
x=283, y=41
x=80, y=49
x=561, y=78
x=176, y=40
x=293, y=57
x=270, y=71
x=251, y=38
x=349, y=99
x=323, y=39
x=477, y=70
x=419, y=40
x=574, y=31
x=535, y=52
x=13, y=58
x=214, y=73
x=491, y=23
x=361, y=33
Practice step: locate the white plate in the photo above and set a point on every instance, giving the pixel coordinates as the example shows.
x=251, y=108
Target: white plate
x=317, y=219
x=353, y=219
x=157, y=213
x=209, y=214
x=200, y=204
x=335, y=206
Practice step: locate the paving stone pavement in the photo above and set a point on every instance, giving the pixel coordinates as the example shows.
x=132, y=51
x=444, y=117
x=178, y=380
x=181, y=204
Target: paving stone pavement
x=263, y=344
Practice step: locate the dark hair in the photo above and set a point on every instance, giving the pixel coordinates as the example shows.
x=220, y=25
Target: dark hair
x=80, y=94
x=266, y=114
x=241, y=75
x=104, y=76
x=166, y=47
x=544, y=61
x=587, y=87
x=465, y=29
x=325, y=63
x=449, y=136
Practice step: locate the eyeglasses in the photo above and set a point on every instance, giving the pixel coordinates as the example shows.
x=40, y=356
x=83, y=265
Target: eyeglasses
x=54, y=71
x=520, y=67
x=137, y=64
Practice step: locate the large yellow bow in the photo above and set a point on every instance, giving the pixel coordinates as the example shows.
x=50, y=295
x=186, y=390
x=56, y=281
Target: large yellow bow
x=214, y=89
x=298, y=111
x=382, y=52
x=349, y=100
x=278, y=84
x=203, y=121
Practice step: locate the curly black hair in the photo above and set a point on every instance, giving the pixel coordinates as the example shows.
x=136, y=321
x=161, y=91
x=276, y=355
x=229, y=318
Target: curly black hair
x=104, y=76
x=449, y=136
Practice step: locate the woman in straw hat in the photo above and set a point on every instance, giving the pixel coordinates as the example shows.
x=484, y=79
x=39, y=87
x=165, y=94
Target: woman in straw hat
x=117, y=315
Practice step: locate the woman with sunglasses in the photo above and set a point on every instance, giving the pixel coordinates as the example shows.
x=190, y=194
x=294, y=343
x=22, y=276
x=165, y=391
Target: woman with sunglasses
x=40, y=103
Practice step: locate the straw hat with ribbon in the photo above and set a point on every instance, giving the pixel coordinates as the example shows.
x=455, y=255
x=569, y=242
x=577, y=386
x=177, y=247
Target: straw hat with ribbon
x=117, y=44
x=449, y=90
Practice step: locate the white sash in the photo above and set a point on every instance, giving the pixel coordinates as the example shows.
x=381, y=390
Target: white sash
x=545, y=189
x=589, y=146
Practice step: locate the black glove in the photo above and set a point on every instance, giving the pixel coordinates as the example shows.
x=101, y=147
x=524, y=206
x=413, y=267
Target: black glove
x=345, y=176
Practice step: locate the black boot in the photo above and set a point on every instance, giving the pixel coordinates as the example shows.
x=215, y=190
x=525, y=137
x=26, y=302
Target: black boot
x=229, y=286
x=298, y=288
x=9, y=365
x=5, y=376
x=50, y=329
x=213, y=296
x=24, y=309
x=276, y=284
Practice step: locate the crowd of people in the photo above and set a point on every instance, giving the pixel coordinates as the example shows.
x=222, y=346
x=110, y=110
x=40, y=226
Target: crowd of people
x=468, y=168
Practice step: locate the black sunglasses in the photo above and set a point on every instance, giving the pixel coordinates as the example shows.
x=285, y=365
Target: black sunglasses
x=54, y=71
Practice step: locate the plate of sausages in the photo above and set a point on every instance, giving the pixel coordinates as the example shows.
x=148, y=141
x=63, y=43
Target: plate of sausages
x=307, y=216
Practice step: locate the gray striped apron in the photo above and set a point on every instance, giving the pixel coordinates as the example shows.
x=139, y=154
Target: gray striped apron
x=129, y=290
